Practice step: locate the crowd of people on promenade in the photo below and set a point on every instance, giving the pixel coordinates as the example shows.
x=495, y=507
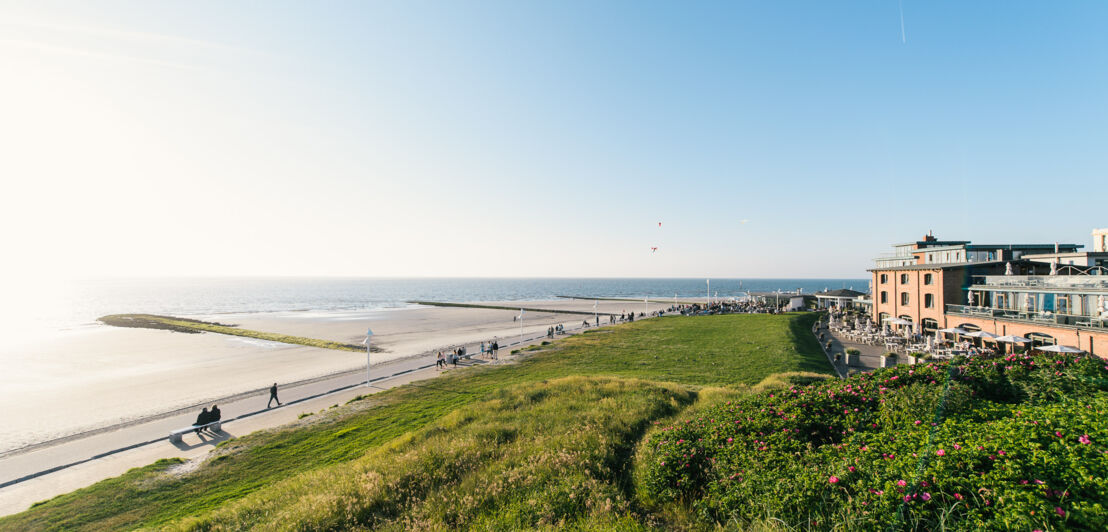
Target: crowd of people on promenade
x=489, y=351
x=728, y=307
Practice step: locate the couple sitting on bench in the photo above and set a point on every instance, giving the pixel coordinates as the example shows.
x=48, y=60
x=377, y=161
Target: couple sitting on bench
x=206, y=417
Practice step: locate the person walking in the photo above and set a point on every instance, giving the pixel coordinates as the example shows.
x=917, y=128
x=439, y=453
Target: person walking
x=440, y=362
x=273, y=396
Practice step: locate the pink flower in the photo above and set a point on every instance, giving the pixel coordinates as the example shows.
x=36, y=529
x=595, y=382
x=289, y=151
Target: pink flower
x=833, y=479
x=940, y=452
x=956, y=446
x=926, y=496
x=918, y=422
x=1057, y=433
x=729, y=440
x=901, y=483
x=1084, y=439
x=851, y=469
x=958, y=496
x=907, y=498
x=1059, y=511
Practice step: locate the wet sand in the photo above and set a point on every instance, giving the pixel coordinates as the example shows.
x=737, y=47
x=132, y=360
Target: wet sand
x=99, y=376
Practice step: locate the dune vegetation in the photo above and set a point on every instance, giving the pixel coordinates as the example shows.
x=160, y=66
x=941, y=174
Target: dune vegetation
x=629, y=376
x=674, y=423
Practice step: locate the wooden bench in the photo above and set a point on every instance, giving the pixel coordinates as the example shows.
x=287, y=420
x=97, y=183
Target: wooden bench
x=175, y=436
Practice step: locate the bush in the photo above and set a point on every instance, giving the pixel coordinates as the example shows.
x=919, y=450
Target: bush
x=1016, y=442
x=853, y=351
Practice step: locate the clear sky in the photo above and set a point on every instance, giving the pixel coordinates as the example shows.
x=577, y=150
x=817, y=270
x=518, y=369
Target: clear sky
x=512, y=138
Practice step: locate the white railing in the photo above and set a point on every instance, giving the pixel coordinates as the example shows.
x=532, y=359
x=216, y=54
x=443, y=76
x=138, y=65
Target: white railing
x=1064, y=282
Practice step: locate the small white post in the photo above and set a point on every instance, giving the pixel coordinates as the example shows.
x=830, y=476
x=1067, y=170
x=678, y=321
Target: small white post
x=368, y=334
x=709, y=292
x=521, y=326
x=596, y=311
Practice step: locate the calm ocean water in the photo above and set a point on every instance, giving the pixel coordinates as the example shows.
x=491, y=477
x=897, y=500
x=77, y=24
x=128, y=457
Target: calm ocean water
x=79, y=303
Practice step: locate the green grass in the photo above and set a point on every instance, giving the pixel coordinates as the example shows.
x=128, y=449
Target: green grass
x=185, y=325
x=637, y=373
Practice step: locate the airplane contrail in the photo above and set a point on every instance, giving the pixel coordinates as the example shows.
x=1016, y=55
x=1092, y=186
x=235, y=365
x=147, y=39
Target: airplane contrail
x=903, y=38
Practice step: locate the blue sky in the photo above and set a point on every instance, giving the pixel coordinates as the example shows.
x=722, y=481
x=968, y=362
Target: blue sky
x=545, y=138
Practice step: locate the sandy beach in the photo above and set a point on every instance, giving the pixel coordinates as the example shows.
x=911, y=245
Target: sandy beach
x=99, y=376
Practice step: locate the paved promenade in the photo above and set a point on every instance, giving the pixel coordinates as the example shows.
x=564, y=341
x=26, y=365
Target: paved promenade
x=48, y=470
x=869, y=360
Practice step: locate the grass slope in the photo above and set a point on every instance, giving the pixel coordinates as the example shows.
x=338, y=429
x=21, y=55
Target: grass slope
x=681, y=354
x=185, y=325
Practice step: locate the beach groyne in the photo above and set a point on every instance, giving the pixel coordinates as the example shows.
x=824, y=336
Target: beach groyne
x=191, y=326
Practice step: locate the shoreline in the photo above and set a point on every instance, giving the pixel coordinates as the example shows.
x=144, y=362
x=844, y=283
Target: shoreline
x=74, y=472
x=127, y=376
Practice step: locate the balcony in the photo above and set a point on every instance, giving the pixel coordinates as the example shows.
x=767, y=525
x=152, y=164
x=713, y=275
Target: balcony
x=1069, y=283
x=1054, y=319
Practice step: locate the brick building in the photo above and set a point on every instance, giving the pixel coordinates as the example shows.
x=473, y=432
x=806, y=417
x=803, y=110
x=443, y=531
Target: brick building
x=1051, y=293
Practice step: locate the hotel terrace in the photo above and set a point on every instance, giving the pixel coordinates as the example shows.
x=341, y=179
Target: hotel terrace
x=1048, y=293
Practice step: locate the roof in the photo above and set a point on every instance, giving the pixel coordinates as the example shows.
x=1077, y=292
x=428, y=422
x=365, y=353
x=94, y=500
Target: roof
x=948, y=266
x=781, y=294
x=1023, y=246
x=842, y=292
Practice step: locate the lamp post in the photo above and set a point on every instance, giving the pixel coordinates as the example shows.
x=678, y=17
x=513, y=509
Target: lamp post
x=368, y=335
x=709, y=292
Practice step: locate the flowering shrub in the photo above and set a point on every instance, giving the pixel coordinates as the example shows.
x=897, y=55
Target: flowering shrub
x=1007, y=442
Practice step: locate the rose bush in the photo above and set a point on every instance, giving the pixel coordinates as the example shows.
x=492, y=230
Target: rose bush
x=1005, y=442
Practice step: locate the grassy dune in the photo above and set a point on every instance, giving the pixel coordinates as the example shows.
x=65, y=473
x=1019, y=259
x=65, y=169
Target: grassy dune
x=544, y=442
x=185, y=325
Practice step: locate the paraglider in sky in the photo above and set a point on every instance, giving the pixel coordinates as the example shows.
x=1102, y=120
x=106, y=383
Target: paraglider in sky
x=653, y=249
x=659, y=224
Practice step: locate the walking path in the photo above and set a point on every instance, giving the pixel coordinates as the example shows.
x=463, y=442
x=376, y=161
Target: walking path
x=868, y=360
x=53, y=468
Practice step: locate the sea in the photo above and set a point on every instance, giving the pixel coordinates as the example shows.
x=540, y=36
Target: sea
x=75, y=304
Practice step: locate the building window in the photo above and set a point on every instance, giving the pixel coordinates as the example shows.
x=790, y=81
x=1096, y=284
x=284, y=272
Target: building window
x=929, y=300
x=927, y=278
x=884, y=278
x=904, y=298
x=884, y=296
x=903, y=278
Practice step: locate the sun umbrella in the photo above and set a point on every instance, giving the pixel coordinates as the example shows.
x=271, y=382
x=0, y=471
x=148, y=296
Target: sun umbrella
x=981, y=334
x=1013, y=339
x=1060, y=349
x=954, y=330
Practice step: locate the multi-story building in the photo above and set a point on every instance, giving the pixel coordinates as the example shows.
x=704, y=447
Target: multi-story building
x=1051, y=293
